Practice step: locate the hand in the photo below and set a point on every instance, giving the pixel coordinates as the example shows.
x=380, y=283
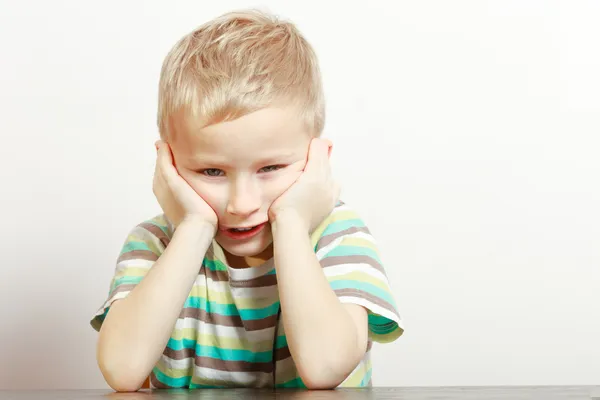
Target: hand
x=314, y=194
x=176, y=197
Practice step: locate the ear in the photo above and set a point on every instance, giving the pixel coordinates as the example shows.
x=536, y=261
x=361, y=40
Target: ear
x=329, y=145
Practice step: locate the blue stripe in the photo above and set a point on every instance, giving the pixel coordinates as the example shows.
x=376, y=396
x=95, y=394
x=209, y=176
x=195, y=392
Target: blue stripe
x=182, y=382
x=280, y=342
x=219, y=353
x=127, y=280
x=294, y=383
x=200, y=386
x=214, y=265
x=353, y=250
x=367, y=378
x=231, y=309
x=338, y=226
x=133, y=245
x=364, y=286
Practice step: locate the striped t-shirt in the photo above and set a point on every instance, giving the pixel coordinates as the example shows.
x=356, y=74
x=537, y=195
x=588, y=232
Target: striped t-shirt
x=229, y=332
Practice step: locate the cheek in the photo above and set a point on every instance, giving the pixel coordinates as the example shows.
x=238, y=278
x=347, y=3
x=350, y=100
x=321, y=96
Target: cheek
x=275, y=188
x=214, y=195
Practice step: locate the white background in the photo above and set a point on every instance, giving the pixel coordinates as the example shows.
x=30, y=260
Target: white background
x=466, y=133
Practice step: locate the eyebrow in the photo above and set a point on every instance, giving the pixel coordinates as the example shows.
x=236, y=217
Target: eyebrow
x=222, y=163
x=276, y=158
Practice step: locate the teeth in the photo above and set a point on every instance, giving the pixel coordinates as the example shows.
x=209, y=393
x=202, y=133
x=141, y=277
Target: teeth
x=241, y=229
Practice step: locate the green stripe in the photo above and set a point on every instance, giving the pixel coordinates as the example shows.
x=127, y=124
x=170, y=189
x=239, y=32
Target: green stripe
x=214, y=265
x=294, y=383
x=127, y=280
x=231, y=309
x=349, y=251
x=280, y=342
x=338, y=226
x=133, y=246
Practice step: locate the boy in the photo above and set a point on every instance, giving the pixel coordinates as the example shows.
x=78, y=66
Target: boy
x=255, y=275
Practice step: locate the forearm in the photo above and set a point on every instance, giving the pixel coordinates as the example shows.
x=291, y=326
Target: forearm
x=321, y=334
x=137, y=328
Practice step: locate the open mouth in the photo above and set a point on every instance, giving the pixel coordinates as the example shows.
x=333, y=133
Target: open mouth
x=243, y=233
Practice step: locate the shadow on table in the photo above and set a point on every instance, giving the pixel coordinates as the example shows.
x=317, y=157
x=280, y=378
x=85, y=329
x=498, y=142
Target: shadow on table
x=218, y=394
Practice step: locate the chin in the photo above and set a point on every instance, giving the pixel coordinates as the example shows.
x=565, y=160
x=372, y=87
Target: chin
x=250, y=248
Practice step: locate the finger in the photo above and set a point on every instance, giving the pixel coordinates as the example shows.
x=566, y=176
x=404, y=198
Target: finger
x=165, y=159
x=337, y=190
x=318, y=154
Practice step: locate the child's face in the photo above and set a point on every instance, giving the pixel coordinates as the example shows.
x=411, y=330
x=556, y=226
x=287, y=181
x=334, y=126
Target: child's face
x=239, y=168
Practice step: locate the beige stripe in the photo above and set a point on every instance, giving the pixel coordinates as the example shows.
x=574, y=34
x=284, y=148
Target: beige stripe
x=139, y=255
x=285, y=370
x=122, y=288
x=217, y=319
x=355, y=259
x=325, y=240
x=367, y=296
x=156, y=231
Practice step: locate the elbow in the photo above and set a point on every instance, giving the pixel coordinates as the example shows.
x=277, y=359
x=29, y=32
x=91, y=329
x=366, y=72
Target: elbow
x=327, y=371
x=122, y=378
x=325, y=375
x=121, y=373
x=321, y=380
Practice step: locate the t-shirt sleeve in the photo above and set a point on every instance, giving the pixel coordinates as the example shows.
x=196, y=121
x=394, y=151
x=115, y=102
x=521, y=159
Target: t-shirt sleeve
x=351, y=262
x=142, y=247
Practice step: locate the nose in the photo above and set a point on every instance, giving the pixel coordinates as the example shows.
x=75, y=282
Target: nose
x=244, y=199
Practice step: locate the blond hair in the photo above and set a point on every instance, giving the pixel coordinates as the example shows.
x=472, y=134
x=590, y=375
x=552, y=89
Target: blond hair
x=239, y=63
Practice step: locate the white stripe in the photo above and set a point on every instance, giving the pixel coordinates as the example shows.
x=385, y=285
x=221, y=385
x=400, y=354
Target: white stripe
x=343, y=269
x=224, y=331
x=360, y=235
x=324, y=250
x=341, y=208
x=254, y=379
x=109, y=302
x=135, y=263
x=244, y=292
x=384, y=312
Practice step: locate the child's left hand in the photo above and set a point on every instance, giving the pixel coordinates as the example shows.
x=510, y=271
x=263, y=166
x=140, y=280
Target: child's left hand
x=313, y=195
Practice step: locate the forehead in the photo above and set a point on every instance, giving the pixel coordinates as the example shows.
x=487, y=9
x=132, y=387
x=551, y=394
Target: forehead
x=264, y=133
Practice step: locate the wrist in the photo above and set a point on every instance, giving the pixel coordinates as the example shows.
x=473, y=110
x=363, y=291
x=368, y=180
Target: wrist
x=197, y=227
x=288, y=219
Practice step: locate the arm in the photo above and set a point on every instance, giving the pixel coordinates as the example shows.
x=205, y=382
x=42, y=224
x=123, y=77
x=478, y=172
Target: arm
x=137, y=328
x=326, y=338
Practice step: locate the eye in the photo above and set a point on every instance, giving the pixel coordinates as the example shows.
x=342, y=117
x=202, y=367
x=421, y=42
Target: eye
x=271, y=168
x=212, y=172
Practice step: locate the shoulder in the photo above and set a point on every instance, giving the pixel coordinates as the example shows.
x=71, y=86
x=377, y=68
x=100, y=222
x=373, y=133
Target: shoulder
x=150, y=236
x=342, y=222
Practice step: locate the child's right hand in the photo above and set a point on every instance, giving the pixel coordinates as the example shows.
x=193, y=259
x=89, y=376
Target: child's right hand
x=176, y=197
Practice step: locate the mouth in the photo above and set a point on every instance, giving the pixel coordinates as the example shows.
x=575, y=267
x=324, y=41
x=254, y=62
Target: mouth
x=240, y=233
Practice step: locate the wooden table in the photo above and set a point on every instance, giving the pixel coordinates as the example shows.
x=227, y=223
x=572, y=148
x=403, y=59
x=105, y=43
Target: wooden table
x=412, y=393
